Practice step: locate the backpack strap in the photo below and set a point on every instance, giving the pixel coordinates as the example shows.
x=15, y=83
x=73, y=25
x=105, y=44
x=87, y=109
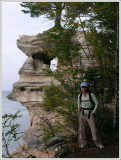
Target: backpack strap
x=81, y=97
x=90, y=97
x=91, y=100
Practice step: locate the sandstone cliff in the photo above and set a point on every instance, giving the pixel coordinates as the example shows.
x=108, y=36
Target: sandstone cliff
x=29, y=89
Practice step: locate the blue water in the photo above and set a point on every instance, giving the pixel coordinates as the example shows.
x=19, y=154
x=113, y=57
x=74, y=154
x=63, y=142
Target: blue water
x=11, y=107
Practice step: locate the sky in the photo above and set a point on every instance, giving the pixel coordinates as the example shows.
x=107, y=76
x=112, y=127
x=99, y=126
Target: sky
x=14, y=24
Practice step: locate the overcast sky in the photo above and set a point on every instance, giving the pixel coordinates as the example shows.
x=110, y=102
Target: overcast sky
x=15, y=23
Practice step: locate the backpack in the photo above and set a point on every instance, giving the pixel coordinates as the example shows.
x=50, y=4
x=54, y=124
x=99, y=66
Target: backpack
x=91, y=100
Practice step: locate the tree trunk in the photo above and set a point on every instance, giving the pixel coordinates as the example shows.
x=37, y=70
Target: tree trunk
x=79, y=130
x=58, y=15
x=116, y=65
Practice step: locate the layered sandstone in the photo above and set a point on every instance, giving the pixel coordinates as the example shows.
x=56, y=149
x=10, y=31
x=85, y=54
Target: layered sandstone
x=30, y=87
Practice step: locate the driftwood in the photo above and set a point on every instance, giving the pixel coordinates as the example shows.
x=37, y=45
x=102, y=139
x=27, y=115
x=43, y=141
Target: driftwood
x=56, y=140
x=58, y=144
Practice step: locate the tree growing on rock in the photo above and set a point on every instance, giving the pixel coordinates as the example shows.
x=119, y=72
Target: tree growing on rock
x=52, y=10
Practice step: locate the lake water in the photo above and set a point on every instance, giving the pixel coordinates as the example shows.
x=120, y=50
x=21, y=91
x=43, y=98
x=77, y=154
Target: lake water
x=11, y=107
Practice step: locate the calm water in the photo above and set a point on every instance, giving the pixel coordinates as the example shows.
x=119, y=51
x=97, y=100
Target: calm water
x=11, y=107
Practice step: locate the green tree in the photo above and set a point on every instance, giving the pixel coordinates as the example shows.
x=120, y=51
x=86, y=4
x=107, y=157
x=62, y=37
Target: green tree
x=102, y=37
x=52, y=10
x=10, y=130
x=100, y=28
x=53, y=97
x=67, y=76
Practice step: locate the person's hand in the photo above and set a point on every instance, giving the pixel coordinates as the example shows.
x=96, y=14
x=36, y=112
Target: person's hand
x=79, y=109
x=92, y=113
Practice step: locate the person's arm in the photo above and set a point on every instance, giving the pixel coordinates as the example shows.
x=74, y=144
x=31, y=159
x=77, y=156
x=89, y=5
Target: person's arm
x=79, y=107
x=96, y=102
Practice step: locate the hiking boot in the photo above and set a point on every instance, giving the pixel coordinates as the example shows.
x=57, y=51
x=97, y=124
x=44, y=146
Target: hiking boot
x=99, y=145
x=83, y=146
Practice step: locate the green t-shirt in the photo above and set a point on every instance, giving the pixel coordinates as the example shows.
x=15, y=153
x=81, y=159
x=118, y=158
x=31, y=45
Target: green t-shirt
x=86, y=103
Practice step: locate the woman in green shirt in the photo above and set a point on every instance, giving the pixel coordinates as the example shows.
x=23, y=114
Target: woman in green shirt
x=87, y=105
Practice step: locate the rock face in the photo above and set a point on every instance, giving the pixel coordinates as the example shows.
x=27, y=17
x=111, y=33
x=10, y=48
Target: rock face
x=29, y=89
x=33, y=44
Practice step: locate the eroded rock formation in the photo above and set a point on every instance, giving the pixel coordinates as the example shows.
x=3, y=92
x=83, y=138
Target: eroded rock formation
x=29, y=89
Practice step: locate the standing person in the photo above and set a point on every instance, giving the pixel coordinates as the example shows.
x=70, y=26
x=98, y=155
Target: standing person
x=87, y=105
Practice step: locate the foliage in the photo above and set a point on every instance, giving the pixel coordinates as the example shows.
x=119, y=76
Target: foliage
x=67, y=76
x=52, y=10
x=100, y=84
x=53, y=97
x=11, y=130
x=105, y=119
x=103, y=34
x=47, y=135
x=100, y=33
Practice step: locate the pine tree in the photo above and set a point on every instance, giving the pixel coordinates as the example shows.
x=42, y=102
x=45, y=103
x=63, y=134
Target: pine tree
x=52, y=10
